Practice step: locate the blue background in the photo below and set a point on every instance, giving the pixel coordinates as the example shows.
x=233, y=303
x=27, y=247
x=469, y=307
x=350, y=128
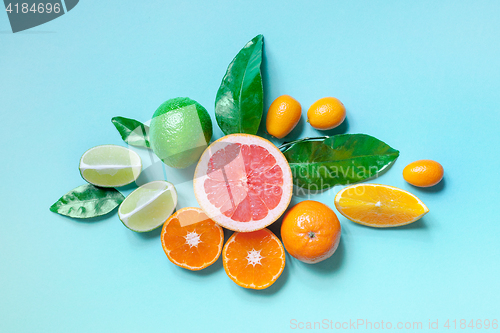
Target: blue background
x=424, y=76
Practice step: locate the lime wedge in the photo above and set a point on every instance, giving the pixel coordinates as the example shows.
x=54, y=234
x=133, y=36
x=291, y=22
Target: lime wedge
x=149, y=206
x=110, y=166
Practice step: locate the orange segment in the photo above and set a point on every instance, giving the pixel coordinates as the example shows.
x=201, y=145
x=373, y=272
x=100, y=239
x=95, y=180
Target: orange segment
x=254, y=260
x=379, y=206
x=191, y=240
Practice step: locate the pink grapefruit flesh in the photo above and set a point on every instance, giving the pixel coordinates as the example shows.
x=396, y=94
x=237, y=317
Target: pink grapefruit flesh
x=243, y=182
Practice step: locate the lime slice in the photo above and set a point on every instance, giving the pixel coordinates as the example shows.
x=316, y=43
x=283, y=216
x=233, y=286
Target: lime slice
x=149, y=206
x=110, y=166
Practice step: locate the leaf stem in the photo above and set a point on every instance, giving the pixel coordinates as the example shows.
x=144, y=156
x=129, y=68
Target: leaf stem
x=287, y=145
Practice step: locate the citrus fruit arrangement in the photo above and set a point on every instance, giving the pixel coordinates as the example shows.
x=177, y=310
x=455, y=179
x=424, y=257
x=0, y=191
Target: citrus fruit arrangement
x=244, y=182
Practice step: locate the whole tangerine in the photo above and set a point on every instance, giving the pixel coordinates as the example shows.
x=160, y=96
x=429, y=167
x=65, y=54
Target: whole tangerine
x=310, y=231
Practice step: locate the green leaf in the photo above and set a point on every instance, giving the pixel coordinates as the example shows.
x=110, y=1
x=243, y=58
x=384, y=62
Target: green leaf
x=132, y=131
x=287, y=145
x=240, y=100
x=337, y=160
x=87, y=201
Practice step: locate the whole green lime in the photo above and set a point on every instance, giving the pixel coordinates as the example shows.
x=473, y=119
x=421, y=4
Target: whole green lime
x=180, y=131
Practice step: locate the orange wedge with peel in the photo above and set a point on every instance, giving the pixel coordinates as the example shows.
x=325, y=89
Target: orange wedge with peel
x=254, y=260
x=379, y=206
x=191, y=240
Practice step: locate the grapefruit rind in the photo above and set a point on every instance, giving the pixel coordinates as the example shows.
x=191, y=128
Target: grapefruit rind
x=339, y=207
x=213, y=212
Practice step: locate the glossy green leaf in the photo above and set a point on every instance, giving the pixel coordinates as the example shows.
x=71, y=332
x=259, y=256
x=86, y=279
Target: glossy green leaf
x=87, y=201
x=132, y=131
x=337, y=160
x=240, y=100
x=284, y=147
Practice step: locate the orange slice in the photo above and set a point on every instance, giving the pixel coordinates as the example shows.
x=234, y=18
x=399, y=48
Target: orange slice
x=379, y=206
x=191, y=240
x=254, y=260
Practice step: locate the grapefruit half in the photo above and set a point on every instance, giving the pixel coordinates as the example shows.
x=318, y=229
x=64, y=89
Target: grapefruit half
x=243, y=182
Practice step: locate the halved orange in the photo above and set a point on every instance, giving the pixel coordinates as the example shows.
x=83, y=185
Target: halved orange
x=379, y=206
x=254, y=260
x=191, y=240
